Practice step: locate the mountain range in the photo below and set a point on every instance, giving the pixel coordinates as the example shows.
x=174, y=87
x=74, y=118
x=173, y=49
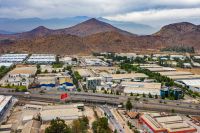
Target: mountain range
x=97, y=36
x=27, y=24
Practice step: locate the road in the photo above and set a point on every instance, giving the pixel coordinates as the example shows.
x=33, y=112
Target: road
x=112, y=119
x=150, y=104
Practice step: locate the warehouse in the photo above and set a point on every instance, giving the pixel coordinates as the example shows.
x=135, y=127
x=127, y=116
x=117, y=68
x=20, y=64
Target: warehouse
x=84, y=72
x=63, y=112
x=180, y=57
x=42, y=59
x=5, y=101
x=163, y=123
x=19, y=76
x=161, y=69
x=94, y=62
x=6, y=64
x=128, y=77
x=128, y=55
x=67, y=60
x=150, y=66
x=23, y=71
x=52, y=80
x=141, y=88
x=193, y=84
x=184, y=77
x=176, y=73
x=13, y=58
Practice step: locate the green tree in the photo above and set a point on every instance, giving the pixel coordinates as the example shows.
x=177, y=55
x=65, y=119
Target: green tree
x=129, y=105
x=58, y=126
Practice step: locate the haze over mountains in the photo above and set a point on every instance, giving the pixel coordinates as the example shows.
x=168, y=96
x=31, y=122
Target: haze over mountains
x=22, y=25
x=97, y=36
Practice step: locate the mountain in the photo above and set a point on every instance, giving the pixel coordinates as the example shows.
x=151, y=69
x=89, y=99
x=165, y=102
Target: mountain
x=178, y=29
x=6, y=32
x=97, y=36
x=89, y=27
x=27, y=24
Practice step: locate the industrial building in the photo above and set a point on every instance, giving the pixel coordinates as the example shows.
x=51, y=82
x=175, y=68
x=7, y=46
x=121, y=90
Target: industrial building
x=163, y=123
x=176, y=73
x=192, y=84
x=5, y=101
x=65, y=112
x=53, y=80
x=19, y=76
x=128, y=55
x=84, y=72
x=6, y=64
x=23, y=71
x=128, y=77
x=41, y=59
x=184, y=77
x=93, y=82
x=67, y=60
x=13, y=58
x=180, y=57
x=161, y=69
x=94, y=62
x=141, y=88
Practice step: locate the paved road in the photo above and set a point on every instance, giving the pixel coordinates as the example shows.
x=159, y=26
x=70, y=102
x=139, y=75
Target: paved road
x=112, y=119
x=113, y=100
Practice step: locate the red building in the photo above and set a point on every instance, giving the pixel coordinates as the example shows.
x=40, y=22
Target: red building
x=157, y=123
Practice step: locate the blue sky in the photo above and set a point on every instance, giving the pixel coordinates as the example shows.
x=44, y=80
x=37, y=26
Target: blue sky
x=151, y=12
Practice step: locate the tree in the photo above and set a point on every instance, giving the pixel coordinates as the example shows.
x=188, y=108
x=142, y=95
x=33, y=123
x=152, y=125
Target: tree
x=101, y=126
x=156, y=96
x=150, y=96
x=131, y=94
x=58, y=126
x=129, y=105
x=143, y=95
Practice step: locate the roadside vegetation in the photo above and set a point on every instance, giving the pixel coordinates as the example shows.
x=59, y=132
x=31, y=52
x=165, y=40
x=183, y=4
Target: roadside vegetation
x=4, y=70
x=59, y=126
x=101, y=126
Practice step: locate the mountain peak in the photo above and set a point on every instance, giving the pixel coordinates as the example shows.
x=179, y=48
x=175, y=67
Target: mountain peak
x=92, y=26
x=40, y=28
x=177, y=28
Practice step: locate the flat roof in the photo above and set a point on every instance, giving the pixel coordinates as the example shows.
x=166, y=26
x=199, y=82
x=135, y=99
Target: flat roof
x=128, y=76
x=84, y=72
x=179, y=77
x=192, y=82
x=176, y=73
x=161, y=69
x=31, y=70
x=169, y=123
x=63, y=113
x=6, y=64
x=4, y=101
x=144, y=85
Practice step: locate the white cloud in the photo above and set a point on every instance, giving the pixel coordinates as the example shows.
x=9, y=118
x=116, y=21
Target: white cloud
x=155, y=12
x=158, y=17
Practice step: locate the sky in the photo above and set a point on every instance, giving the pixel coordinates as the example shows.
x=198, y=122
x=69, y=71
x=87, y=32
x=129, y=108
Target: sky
x=150, y=12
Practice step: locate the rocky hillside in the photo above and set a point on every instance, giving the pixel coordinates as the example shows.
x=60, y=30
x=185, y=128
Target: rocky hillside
x=96, y=36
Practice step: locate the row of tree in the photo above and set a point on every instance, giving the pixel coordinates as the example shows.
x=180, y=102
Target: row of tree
x=59, y=126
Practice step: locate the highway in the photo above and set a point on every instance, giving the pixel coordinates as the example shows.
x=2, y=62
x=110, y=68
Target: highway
x=150, y=104
x=112, y=119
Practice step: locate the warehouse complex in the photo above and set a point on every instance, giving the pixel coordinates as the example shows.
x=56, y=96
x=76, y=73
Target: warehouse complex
x=5, y=101
x=13, y=58
x=42, y=58
x=141, y=88
x=162, y=123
